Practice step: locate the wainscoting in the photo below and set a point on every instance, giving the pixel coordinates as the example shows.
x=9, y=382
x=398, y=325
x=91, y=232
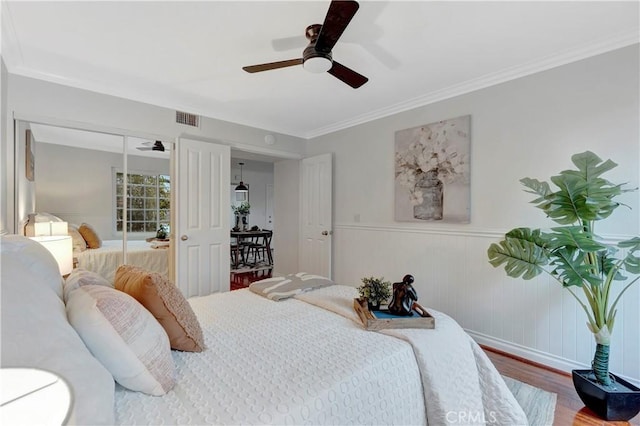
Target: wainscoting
x=537, y=319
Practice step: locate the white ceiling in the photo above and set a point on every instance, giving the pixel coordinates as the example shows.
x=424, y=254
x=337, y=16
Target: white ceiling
x=189, y=55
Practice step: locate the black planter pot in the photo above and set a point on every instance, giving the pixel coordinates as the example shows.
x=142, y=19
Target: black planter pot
x=620, y=404
x=374, y=306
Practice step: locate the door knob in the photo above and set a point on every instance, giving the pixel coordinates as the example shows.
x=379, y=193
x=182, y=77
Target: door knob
x=184, y=238
x=326, y=232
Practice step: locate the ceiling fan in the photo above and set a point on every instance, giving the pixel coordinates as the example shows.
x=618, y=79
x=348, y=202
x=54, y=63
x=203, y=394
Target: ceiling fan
x=157, y=146
x=317, y=57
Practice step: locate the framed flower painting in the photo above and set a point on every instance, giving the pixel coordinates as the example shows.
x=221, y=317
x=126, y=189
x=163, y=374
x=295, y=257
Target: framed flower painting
x=432, y=172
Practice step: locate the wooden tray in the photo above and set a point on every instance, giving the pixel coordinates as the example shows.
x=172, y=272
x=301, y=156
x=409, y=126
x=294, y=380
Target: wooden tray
x=421, y=318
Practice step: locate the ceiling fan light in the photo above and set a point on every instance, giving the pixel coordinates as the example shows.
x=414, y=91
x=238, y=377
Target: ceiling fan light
x=317, y=64
x=158, y=146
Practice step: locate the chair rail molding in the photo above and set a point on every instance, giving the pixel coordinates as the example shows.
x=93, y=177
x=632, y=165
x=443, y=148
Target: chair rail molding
x=536, y=319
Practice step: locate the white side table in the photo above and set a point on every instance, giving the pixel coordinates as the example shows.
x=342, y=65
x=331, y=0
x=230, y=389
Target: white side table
x=31, y=396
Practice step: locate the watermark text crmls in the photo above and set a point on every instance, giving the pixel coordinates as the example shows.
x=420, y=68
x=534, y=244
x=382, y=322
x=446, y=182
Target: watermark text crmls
x=471, y=417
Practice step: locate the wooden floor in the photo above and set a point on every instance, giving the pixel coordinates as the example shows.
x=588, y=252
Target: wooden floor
x=569, y=408
x=242, y=280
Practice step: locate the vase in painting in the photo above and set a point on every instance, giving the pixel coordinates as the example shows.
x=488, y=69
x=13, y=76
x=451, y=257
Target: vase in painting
x=432, y=197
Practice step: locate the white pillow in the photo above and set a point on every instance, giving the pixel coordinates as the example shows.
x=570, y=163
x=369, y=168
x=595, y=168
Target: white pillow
x=36, y=333
x=79, y=277
x=124, y=337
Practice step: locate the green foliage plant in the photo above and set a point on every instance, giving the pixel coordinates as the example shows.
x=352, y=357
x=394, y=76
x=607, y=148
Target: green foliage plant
x=375, y=290
x=242, y=208
x=572, y=253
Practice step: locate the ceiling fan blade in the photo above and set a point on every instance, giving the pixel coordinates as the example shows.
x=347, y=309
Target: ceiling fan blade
x=347, y=75
x=338, y=17
x=272, y=65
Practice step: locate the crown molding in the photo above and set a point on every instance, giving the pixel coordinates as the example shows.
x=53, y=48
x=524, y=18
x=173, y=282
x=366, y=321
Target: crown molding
x=618, y=41
x=157, y=96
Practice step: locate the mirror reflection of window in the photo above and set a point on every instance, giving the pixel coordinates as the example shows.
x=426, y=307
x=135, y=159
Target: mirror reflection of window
x=149, y=199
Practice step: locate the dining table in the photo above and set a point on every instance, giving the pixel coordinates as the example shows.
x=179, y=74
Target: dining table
x=256, y=236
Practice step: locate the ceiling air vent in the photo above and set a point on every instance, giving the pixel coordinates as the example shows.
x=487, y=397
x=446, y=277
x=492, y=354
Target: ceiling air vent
x=187, y=119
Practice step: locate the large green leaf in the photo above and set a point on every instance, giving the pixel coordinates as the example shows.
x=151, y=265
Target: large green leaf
x=571, y=269
x=533, y=235
x=589, y=165
x=539, y=188
x=607, y=261
x=521, y=257
x=631, y=262
x=582, y=194
x=565, y=204
x=631, y=245
x=596, y=202
x=573, y=236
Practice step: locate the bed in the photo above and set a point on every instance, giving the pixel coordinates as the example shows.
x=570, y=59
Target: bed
x=303, y=360
x=106, y=259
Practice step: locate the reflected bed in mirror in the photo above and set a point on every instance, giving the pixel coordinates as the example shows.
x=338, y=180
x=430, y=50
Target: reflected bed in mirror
x=106, y=259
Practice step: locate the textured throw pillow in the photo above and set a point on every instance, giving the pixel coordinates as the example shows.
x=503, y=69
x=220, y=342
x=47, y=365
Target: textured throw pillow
x=90, y=236
x=124, y=337
x=79, y=277
x=163, y=299
x=79, y=244
x=281, y=288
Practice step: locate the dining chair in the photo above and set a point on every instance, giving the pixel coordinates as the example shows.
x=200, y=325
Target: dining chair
x=237, y=250
x=261, y=248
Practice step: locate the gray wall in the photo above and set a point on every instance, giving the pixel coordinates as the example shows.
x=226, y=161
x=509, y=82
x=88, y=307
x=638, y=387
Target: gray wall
x=526, y=127
x=37, y=100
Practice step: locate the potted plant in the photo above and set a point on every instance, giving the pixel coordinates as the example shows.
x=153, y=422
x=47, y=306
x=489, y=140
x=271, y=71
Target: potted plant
x=575, y=256
x=375, y=291
x=241, y=211
x=163, y=232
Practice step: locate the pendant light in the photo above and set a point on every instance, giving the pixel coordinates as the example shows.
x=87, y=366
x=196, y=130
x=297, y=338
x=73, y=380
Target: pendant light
x=242, y=187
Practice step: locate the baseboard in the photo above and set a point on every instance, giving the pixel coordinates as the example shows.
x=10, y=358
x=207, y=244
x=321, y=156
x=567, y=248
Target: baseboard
x=540, y=357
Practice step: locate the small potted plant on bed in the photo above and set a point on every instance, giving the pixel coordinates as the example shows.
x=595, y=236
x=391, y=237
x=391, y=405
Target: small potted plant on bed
x=375, y=291
x=575, y=256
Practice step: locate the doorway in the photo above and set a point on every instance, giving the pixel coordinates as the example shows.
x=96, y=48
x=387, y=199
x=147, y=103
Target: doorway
x=252, y=242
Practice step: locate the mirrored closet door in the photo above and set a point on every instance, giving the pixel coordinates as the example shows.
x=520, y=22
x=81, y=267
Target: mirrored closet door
x=113, y=191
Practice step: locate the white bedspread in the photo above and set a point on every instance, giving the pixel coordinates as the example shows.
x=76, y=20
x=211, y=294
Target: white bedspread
x=106, y=259
x=291, y=362
x=461, y=385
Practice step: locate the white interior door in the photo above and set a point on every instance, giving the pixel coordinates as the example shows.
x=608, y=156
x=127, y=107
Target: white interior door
x=315, y=215
x=202, y=217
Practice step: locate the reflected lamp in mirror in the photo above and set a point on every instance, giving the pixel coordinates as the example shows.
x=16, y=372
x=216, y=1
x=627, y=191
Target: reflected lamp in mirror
x=61, y=247
x=40, y=224
x=241, y=187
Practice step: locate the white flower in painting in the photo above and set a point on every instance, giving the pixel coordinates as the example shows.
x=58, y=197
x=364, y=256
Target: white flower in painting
x=431, y=149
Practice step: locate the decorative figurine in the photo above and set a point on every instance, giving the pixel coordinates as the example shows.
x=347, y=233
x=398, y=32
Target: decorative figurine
x=403, y=297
